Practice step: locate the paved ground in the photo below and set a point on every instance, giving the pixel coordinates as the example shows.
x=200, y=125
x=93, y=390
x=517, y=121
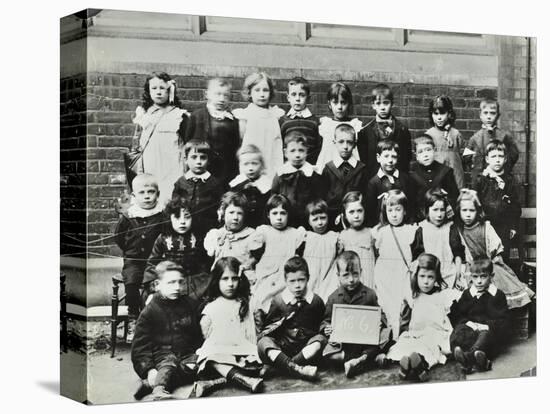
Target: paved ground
x=113, y=380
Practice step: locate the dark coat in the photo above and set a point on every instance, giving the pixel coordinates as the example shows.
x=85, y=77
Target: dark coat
x=310, y=128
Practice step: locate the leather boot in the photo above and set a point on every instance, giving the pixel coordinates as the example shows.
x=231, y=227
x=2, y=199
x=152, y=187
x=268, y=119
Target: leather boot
x=244, y=381
x=305, y=372
x=205, y=387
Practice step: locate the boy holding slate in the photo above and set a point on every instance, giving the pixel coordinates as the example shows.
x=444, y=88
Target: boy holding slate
x=355, y=357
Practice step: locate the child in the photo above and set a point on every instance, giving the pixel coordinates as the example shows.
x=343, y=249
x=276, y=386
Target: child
x=481, y=240
x=289, y=338
x=272, y=245
x=297, y=179
x=427, y=173
x=161, y=120
x=479, y=319
x=227, y=325
x=232, y=239
x=259, y=122
x=351, y=291
x=340, y=104
x=439, y=236
x=167, y=336
x=202, y=189
x=299, y=118
x=215, y=124
x=252, y=183
x=344, y=173
x=179, y=244
x=387, y=178
x=356, y=236
x=426, y=342
x=384, y=126
x=489, y=113
x=392, y=270
x=320, y=250
x=499, y=195
x=135, y=234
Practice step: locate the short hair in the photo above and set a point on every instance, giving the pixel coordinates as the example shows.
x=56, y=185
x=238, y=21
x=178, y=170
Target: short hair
x=298, y=80
x=251, y=149
x=393, y=198
x=345, y=129
x=296, y=264
x=429, y=262
x=295, y=136
x=442, y=104
x=340, y=90
x=167, y=266
x=145, y=179
x=381, y=91
x=387, y=145
x=432, y=196
x=424, y=139
x=200, y=146
x=218, y=82
x=351, y=197
x=482, y=265
x=254, y=79
x=347, y=257
x=469, y=195
x=496, y=145
x=318, y=206
x=233, y=198
x=277, y=200
x=490, y=102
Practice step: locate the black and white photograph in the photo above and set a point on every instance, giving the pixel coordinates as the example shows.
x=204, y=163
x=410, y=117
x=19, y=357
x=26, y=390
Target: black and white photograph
x=253, y=206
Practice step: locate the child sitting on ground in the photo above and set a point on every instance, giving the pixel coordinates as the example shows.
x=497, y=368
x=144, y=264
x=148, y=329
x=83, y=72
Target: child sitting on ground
x=355, y=357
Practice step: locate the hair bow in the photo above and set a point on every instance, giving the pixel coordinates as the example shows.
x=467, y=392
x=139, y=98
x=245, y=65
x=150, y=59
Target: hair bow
x=171, y=90
x=383, y=196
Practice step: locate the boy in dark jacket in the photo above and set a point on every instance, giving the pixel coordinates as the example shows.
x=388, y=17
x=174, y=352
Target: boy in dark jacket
x=479, y=319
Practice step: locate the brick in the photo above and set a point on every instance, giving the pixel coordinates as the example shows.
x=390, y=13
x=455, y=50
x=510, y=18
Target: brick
x=112, y=165
x=97, y=179
x=102, y=216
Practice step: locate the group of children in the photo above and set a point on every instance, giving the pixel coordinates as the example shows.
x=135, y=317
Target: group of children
x=313, y=213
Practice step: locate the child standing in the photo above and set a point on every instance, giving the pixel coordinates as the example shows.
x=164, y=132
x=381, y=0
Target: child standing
x=479, y=319
x=426, y=342
x=200, y=187
x=228, y=328
x=233, y=238
x=320, y=251
x=215, y=124
x=439, y=236
x=167, y=336
x=259, y=122
x=135, y=234
x=427, y=173
x=179, y=244
x=272, y=246
x=356, y=236
x=161, y=120
x=388, y=178
x=297, y=179
x=499, y=195
x=481, y=240
x=384, y=126
x=289, y=338
x=344, y=173
x=489, y=113
x=447, y=139
x=351, y=291
x=392, y=271
x=340, y=104
x=299, y=118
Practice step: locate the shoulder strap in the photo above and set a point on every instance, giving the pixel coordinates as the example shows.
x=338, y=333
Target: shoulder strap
x=399, y=247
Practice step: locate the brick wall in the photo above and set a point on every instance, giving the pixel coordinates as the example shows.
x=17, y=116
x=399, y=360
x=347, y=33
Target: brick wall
x=112, y=99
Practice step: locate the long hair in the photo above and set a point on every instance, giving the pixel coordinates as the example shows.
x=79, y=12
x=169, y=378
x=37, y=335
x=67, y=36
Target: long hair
x=340, y=90
x=242, y=293
x=443, y=105
x=252, y=80
x=147, y=102
x=278, y=200
x=352, y=197
x=392, y=198
x=236, y=199
x=175, y=206
x=432, y=196
x=469, y=195
x=429, y=262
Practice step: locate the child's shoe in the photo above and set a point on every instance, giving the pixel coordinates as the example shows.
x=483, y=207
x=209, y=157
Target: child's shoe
x=419, y=367
x=143, y=390
x=482, y=362
x=382, y=360
x=355, y=366
x=462, y=359
x=305, y=372
x=204, y=387
x=244, y=381
x=160, y=393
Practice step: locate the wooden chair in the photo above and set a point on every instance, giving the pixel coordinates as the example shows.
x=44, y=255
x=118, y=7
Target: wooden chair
x=119, y=313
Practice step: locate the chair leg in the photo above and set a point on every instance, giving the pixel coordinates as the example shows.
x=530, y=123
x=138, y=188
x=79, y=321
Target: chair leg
x=114, y=318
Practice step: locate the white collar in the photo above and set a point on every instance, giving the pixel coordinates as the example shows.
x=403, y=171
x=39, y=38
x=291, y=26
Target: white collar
x=287, y=168
x=262, y=183
x=219, y=114
x=382, y=174
x=492, y=290
x=492, y=174
x=134, y=211
x=337, y=160
x=289, y=298
x=203, y=177
x=306, y=113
